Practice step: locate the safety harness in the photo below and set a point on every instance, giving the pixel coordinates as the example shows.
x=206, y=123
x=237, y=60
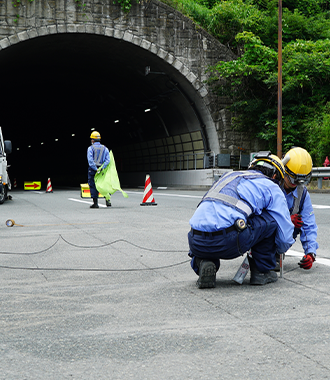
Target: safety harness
x=214, y=193
x=299, y=201
x=97, y=154
x=298, y=204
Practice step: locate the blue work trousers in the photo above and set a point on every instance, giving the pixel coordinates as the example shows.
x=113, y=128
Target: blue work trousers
x=91, y=183
x=259, y=236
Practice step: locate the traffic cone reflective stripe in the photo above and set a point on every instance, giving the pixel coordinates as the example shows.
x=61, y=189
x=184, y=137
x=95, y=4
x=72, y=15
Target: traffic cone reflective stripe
x=49, y=187
x=15, y=184
x=148, y=198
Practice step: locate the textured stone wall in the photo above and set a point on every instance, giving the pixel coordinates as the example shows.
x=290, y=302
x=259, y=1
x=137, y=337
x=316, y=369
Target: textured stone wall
x=151, y=25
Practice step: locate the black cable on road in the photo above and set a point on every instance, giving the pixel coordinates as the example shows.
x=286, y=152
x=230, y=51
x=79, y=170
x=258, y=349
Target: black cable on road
x=90, y=269
x=31, y=253
x=121, y=240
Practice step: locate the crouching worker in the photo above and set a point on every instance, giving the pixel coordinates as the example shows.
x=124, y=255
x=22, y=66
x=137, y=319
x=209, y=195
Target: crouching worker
x=243, y=210
x=298, y=167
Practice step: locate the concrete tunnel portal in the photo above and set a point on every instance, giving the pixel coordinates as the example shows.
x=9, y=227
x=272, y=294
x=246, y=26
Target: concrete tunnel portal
x=58, y=87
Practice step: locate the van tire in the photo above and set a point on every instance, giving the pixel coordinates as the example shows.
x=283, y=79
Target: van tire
x=3, y=194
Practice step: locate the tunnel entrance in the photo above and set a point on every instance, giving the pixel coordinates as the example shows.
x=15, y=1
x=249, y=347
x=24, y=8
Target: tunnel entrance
x=60, y=87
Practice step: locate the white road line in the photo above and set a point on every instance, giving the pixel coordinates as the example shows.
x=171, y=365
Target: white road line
x=81, y=201
x=320, y=206
x=291, y=252
x=168, y=195
x=197, y=196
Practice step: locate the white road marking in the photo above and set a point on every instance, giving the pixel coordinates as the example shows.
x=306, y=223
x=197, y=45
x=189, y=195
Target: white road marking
x=168, y=195
x=199, y=197
x=81, y=201
x=291, y=252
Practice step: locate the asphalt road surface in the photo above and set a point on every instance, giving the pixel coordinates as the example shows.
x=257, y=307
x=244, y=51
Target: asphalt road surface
x=108, y=293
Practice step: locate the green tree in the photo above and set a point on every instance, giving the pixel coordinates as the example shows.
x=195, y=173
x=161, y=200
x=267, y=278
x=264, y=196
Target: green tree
x=318, y=134
x=250, y=29
x=251, y=82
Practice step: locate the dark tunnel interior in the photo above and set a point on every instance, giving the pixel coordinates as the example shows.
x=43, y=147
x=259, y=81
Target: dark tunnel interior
x=56, y=89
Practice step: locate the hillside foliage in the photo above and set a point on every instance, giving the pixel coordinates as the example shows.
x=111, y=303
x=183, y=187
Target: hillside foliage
x=250, y=29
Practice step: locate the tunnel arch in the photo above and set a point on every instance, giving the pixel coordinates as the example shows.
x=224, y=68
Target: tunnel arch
x=77, y=61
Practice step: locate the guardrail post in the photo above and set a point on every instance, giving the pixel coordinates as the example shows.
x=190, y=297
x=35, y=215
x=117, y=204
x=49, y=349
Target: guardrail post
x=319, y=173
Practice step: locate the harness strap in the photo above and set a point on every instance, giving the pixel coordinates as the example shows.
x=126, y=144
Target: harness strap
x=98, y=153
x=301, y=190
x=214, y=192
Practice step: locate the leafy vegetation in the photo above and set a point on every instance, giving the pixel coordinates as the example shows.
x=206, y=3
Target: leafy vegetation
x=250, y=29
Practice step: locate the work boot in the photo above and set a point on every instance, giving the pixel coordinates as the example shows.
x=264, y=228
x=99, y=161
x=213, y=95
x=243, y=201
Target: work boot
x=259, y=278
x=95, y=203
x=108, y=203
x=207, y=273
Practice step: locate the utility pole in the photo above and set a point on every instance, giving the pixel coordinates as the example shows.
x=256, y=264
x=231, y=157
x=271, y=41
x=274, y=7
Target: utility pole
x=279, y=80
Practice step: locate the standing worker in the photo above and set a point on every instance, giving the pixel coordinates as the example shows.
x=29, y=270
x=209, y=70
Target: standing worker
x=97, y=154
x=243, y=210
x=298, y=172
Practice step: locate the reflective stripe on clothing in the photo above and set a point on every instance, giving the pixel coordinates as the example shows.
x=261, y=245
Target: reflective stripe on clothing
x=231, y=180
x=100, y=153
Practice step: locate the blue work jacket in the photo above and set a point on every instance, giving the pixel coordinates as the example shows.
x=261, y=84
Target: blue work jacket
x=260, y=193
x=93, y=156
x=308, y=232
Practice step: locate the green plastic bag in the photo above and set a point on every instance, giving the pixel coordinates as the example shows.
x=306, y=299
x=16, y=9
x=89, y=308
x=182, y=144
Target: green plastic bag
x=107, y=181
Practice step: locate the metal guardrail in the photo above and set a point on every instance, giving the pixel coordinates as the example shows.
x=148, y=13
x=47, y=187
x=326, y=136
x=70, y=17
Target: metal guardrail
x=320, y=173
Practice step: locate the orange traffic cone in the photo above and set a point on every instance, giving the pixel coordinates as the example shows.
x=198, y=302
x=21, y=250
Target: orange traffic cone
x=49, y=188
x=148, y=198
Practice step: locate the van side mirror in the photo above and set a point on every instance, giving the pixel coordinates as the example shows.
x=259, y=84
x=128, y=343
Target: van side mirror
x=8, y=146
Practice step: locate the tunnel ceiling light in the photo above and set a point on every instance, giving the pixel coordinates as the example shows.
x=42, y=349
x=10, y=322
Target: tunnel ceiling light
x=42, y=143
x=92, y=129
x=17, y=148
x=29, y=146
x=116, y=121
x=147, y=110
x=73, y=134
x=56, y=139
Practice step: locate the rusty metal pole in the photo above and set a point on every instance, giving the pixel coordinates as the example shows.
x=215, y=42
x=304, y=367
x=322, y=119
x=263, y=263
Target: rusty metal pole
x=279, y=80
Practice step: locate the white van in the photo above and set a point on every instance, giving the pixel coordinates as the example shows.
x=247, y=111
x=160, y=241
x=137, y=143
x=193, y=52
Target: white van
x=5, y=148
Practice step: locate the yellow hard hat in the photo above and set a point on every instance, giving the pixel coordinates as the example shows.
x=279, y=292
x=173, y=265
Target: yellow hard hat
x=95, y=136
x=265, y=158
x=298, y=165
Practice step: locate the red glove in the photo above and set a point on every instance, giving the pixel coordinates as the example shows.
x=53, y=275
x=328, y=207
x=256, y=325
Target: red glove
x=307, y=261
x=296, y=220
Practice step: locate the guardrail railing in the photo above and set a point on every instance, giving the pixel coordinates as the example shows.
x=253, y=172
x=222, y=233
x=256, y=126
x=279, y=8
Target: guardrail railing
x=320, y=173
